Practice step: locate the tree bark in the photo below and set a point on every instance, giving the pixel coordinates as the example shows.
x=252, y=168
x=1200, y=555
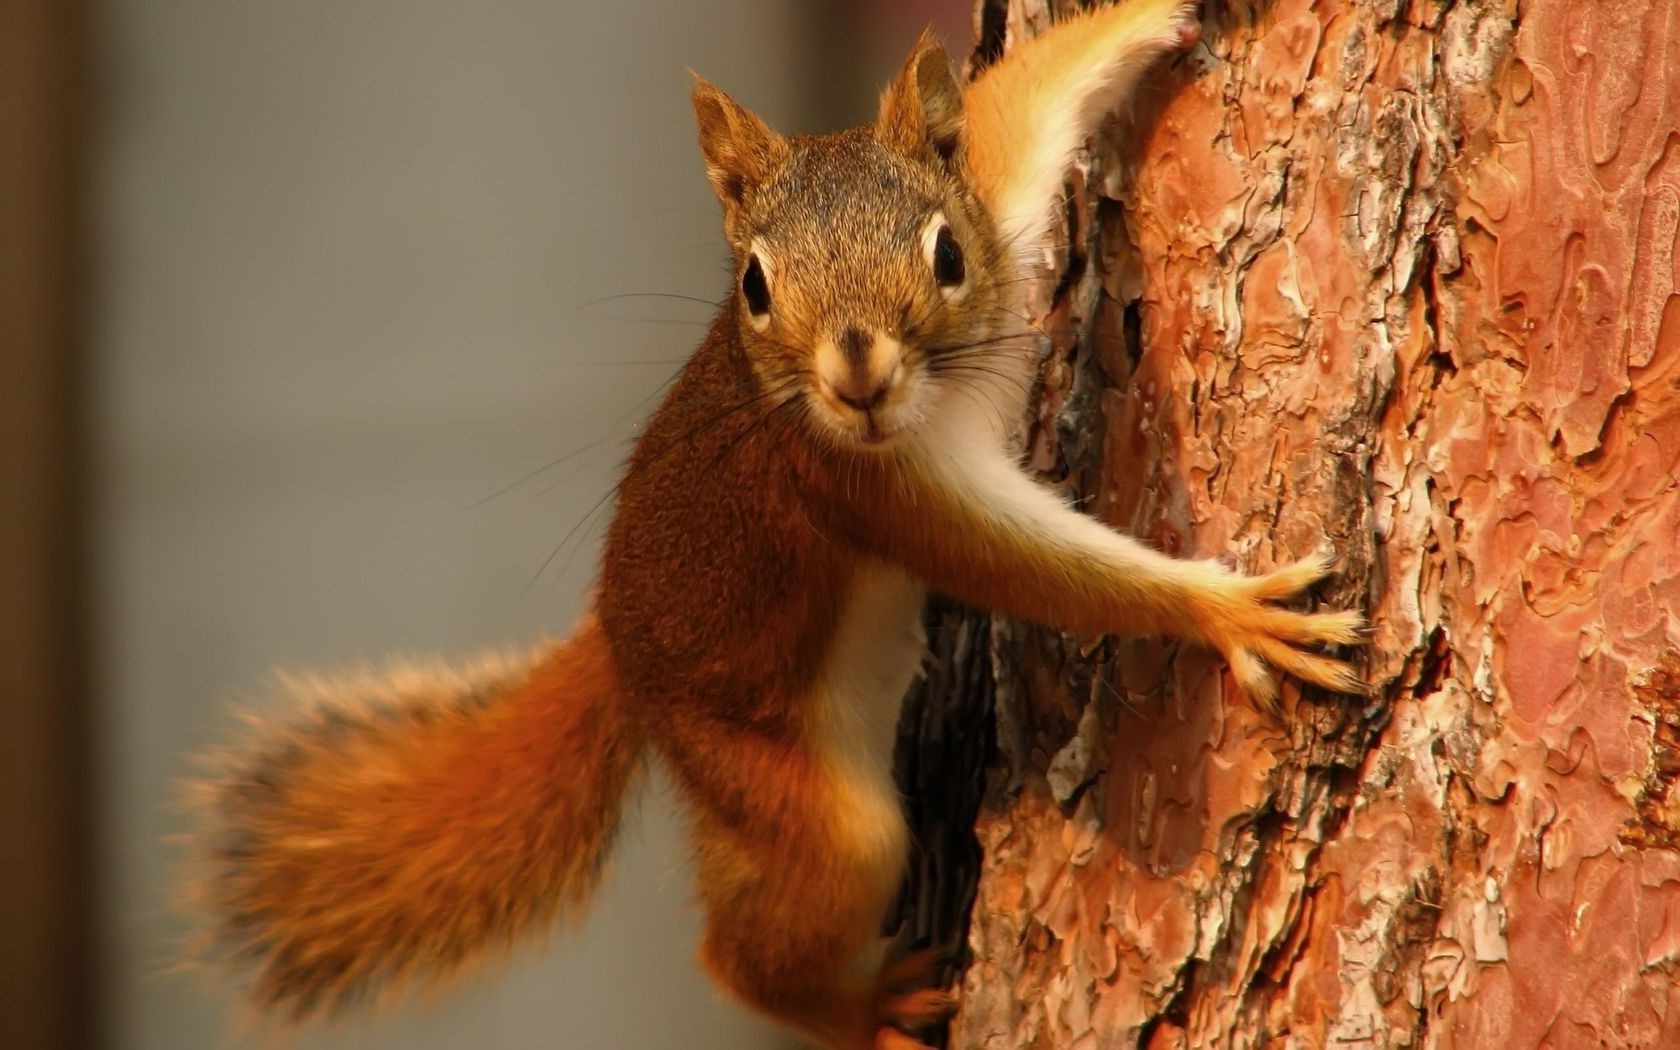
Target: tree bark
x=1399, y=276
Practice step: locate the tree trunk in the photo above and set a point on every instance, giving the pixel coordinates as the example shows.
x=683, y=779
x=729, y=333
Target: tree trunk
x=1399, y=276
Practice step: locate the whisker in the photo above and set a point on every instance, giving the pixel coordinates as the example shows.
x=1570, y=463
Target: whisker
x=677, y=296
x=611, y=432
x=596, y=506
x=779, y=391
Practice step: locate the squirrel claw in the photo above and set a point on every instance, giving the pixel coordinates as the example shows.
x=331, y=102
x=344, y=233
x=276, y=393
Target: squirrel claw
x=918, y=1009
x=908, y=997
x=1261, y=638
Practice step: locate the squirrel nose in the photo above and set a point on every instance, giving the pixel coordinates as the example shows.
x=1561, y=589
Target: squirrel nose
x=859, y=368
x=864, y=395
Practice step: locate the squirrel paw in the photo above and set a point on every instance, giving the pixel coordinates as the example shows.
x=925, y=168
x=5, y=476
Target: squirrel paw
x=1256, y=636
x=918, y=1009
x=909, y=999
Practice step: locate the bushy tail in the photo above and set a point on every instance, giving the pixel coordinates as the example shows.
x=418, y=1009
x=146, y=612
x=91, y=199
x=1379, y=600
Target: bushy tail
x=1027, y=114
x=408, y=824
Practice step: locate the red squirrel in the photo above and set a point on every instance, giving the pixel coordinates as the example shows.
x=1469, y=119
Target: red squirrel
x=843, y=440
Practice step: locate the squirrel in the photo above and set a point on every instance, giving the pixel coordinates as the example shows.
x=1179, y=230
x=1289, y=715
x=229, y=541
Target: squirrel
x=841, y=442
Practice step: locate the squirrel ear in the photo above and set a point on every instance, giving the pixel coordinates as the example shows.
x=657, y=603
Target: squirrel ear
x=740, y=150
x=922, y=108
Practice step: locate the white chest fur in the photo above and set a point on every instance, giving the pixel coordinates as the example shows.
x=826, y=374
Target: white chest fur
x=877, y=652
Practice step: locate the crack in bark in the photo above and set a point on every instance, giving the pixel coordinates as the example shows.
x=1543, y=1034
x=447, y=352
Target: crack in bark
x=1656, y=823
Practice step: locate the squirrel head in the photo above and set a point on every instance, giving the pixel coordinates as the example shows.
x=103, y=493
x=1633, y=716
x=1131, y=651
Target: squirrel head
x=869, y=280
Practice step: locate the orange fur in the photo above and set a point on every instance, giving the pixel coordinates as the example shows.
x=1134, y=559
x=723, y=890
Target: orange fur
x=413, y=822
x=986, y=549
x=729, y=673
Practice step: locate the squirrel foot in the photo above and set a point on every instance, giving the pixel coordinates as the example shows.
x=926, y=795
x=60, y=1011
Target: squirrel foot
x=918, y=1009
x=909, y=1000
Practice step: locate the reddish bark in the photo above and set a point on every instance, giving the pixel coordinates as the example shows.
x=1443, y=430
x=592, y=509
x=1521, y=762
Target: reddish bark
x=1402, y=274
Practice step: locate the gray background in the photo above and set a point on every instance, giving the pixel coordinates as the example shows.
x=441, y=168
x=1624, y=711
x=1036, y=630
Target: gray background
x=341, y=251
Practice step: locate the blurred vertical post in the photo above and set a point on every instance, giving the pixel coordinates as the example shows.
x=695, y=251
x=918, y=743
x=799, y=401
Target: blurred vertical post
x=44, y=973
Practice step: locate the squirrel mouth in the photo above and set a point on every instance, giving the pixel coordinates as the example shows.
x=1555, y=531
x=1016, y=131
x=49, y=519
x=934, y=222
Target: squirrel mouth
x=862, y=426
x=873, y=434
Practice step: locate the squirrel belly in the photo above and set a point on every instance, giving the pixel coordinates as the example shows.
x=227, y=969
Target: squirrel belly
x=878, y=650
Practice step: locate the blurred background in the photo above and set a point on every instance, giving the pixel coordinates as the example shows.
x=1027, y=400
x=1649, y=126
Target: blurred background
x=324, y=328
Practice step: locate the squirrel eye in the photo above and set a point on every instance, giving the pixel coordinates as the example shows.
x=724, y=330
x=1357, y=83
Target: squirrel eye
x=947, y=259
x=755, y=288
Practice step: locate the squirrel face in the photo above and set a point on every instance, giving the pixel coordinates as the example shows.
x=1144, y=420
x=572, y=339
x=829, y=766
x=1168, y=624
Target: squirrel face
x=868, y=276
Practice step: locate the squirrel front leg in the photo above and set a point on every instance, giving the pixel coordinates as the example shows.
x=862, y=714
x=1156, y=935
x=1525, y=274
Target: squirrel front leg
x=963, y=517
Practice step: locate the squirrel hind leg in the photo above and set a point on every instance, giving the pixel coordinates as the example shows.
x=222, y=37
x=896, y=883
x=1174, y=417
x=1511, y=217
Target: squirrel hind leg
x=800, y=975
x=793, y=913
x=915, y=1011
x=910, y=994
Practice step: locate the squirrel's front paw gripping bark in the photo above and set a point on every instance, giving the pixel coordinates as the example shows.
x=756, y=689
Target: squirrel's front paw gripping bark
x=1252, y=633
x=841, y=439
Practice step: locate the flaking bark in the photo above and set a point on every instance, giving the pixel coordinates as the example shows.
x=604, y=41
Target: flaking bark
x=1400, y=276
